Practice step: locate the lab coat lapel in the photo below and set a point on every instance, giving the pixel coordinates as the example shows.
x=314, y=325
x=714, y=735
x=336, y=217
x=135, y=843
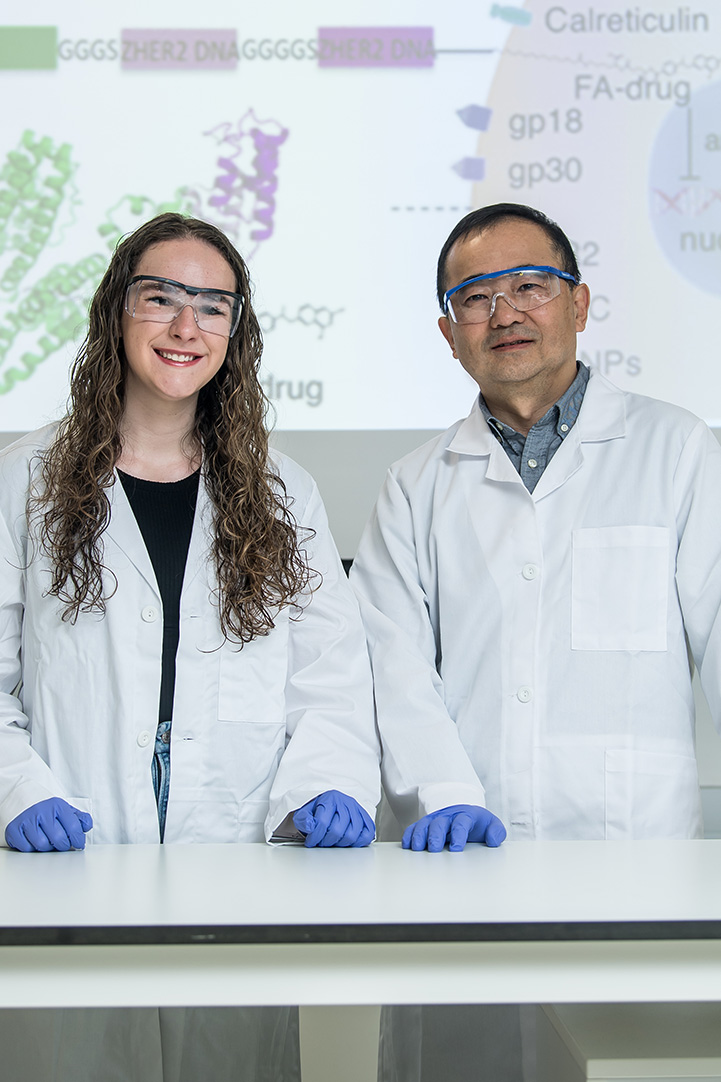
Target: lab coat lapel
x=474, y=437
x=124, y=531
x=603, y=411
x=602, y=417
x=199, y=549
x=566, y=461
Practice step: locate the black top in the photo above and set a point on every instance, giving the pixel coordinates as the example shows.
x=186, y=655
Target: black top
x=164, y=513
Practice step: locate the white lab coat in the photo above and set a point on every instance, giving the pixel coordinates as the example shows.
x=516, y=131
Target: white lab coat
x=529, y=649
x=256, y=733
x=530, y=653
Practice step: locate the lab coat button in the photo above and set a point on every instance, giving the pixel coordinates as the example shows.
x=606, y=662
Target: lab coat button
x=524, y=694
x=149, y=614
x=530, y=571
x=144, y=738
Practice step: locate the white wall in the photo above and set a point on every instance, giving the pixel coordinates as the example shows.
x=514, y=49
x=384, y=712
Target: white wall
x=349, y=468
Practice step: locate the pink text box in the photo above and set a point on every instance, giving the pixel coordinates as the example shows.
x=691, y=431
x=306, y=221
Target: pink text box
x=179, y=50
x=375, y=47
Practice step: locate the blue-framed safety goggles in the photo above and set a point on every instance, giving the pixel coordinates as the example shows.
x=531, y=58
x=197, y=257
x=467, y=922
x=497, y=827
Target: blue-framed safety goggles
x=524, y=288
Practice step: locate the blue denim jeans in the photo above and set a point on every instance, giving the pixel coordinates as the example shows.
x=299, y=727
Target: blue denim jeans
x=161, y=772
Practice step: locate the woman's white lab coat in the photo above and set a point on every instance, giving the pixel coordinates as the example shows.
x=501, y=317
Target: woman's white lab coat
x=256, y=733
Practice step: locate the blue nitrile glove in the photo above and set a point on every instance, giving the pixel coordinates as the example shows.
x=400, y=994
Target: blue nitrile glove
x=457, y=825
x=334, y=819
x=51, y=824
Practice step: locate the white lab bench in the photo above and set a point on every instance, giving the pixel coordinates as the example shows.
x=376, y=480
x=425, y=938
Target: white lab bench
x=537, y=922
x=530, y=922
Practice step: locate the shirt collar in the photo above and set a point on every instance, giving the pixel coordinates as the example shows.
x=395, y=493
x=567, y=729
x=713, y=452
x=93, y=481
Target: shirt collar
x=562, y=414
x=602, y=417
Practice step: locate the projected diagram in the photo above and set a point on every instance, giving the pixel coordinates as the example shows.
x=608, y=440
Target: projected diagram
x=37, y=199
x=40, y=202
x=242, y=199
x=365, y=144
x=607, y=118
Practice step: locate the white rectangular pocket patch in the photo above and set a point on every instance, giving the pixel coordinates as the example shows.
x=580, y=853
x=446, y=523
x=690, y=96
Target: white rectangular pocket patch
x=619, y=590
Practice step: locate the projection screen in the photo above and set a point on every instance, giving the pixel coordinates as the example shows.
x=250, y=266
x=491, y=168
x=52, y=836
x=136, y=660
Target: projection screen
x=337, y=145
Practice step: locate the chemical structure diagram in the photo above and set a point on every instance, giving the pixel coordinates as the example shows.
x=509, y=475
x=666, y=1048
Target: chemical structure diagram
x=307, y=315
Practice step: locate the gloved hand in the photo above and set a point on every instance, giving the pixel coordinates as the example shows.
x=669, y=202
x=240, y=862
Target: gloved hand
x=334, y=819
x=457, y=825
x=50, y=824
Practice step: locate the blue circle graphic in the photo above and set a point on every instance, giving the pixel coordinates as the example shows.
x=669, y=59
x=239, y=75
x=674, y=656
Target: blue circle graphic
x=685, y=188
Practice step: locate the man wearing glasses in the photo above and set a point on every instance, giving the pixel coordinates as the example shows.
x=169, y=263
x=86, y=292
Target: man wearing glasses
x=530, y=579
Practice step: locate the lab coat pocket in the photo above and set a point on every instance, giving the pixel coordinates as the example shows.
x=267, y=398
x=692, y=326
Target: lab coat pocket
x=202, y=815
x=252, y=680
x=619, y=591
x=252, y=816
x=651, y=794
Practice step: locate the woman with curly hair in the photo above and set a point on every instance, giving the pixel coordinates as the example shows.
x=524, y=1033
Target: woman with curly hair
x=181, y=659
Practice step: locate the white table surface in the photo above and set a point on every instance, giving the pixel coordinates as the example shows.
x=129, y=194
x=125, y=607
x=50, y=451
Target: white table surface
x=529, y=922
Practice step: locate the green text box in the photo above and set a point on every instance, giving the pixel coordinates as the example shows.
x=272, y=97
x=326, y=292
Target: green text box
x=28, y=48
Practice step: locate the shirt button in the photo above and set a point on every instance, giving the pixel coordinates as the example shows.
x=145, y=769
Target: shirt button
x=144, y=738
x=149, y=614
x=524, y=695
x=532, y=463
x=530, y=571
x=564, y=428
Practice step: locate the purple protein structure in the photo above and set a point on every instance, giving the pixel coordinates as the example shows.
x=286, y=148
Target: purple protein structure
x=242, y=200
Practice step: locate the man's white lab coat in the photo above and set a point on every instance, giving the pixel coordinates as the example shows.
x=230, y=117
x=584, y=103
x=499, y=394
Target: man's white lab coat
x=530, y=650
x=256, y=732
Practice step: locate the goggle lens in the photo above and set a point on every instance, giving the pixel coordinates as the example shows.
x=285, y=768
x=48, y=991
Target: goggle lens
x=524, y=289
x=161, y=300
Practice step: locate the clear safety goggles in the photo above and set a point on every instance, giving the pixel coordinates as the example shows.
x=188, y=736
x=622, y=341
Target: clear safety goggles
x=524, y=288
x=161, y=300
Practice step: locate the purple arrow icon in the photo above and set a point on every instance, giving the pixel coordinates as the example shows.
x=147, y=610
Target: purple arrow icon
x=471, y=168
x=475, y=116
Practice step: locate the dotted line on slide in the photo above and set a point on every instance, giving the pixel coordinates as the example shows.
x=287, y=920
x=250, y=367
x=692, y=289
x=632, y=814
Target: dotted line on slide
x=427, y=208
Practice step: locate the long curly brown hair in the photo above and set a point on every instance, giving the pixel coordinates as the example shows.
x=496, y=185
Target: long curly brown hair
x=259, y=556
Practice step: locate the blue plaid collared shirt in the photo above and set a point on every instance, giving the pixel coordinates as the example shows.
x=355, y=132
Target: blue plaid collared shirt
x=531, y=454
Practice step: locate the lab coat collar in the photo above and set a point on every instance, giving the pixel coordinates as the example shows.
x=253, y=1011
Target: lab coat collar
x=199, y=549
x=124, y=531
x=474, y=437
x=602, y=417
x=603, y=411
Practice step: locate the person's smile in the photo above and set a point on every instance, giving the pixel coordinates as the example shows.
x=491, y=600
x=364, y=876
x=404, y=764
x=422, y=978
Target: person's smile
x=510, y=342
x=175, y=357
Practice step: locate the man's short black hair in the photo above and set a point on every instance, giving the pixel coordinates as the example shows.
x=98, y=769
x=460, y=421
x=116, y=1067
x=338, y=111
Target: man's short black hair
x=486, y=217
